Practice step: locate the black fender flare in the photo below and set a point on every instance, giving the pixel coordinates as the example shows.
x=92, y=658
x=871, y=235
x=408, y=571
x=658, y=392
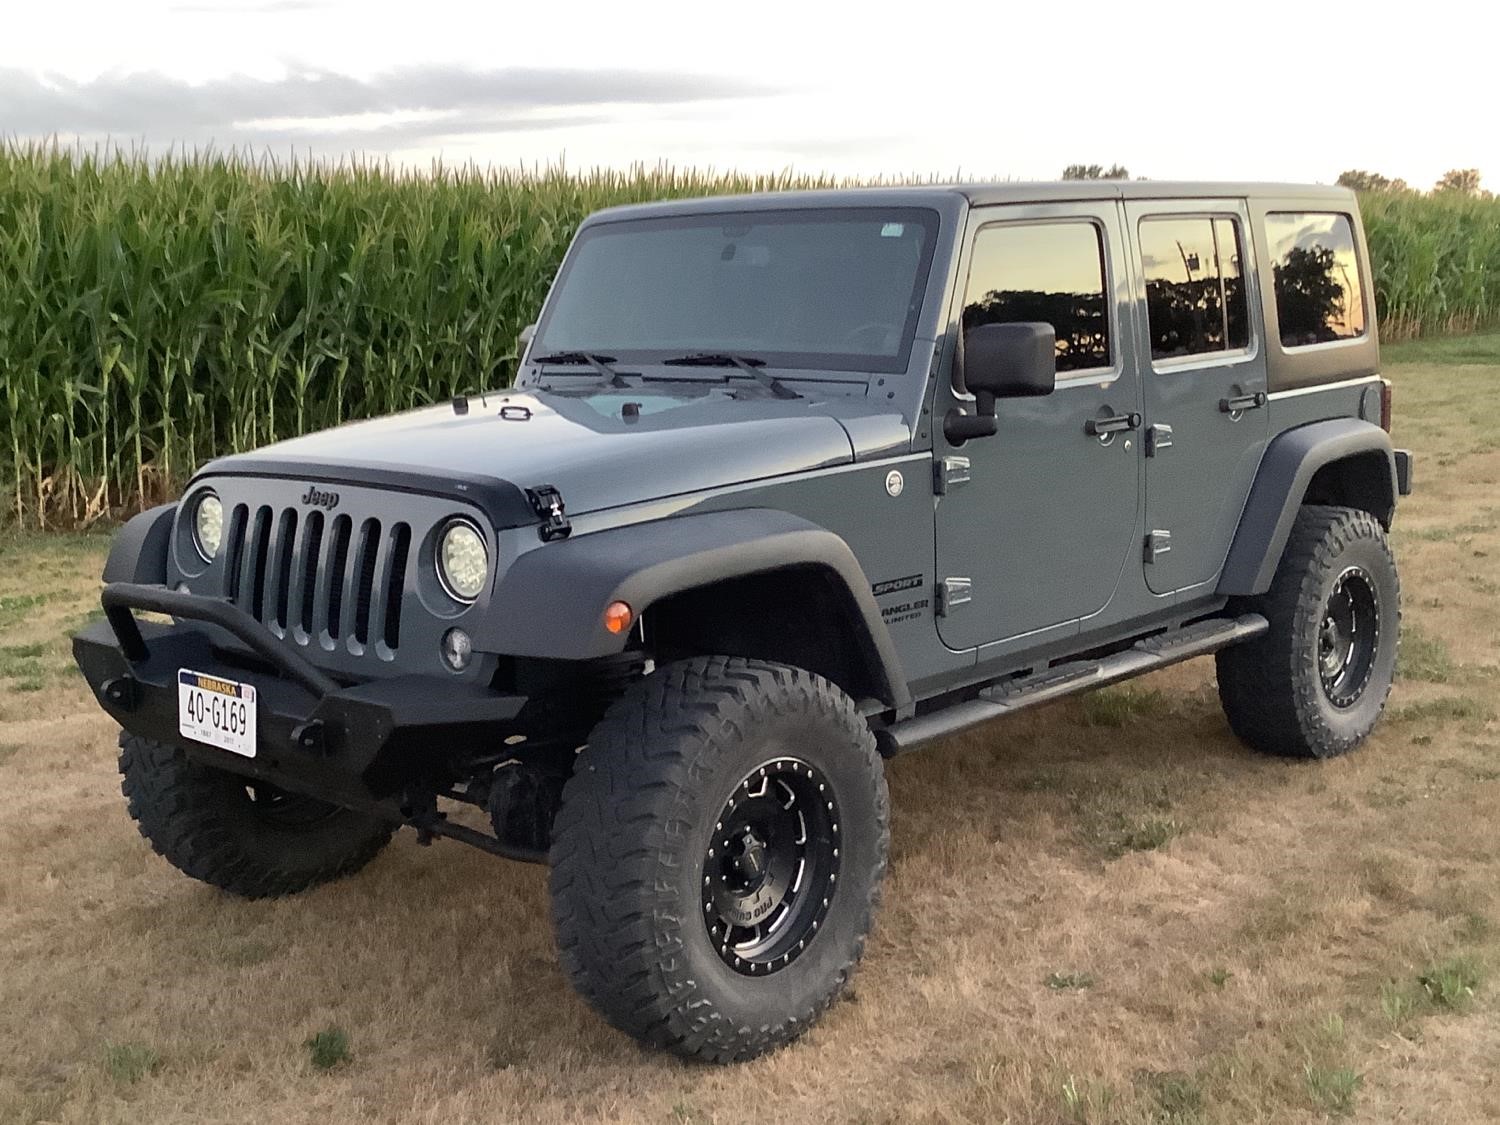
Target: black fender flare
x=139, y=551
x=550, y=603
x=1291, y=461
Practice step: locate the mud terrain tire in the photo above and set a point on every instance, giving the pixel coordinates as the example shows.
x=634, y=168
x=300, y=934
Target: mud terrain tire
x=1288, y=692
x=696, y=753
x=208, y=824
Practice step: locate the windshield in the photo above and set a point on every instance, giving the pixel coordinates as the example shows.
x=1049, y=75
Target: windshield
x=831, y=288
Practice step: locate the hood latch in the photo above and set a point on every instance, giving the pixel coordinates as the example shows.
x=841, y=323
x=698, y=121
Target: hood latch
x=547, y=502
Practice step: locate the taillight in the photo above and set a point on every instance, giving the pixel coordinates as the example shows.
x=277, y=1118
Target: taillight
x=1385, y=405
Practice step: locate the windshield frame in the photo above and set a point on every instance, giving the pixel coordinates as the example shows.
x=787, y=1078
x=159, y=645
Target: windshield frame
x=927, y=217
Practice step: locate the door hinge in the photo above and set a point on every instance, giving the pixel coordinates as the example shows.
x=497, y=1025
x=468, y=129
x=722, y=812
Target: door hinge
x=948, y=472
x=952, y=593
x=547, y=502
x=1158, y=543
x=1158, y=437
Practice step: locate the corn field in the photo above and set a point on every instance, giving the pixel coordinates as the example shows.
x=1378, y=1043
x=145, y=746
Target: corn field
x=1436, y=260
x=156, y=313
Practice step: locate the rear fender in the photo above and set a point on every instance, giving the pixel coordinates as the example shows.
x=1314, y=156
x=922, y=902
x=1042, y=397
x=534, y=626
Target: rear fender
x=1350, y=459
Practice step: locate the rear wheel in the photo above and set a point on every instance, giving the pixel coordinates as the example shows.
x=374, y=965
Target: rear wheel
x=1314, y=684
x=244, y=836
x=718, y=856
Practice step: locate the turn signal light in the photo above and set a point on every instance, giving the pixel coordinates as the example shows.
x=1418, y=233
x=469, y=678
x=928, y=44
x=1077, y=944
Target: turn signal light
x=1385, y=405
x=618, y=617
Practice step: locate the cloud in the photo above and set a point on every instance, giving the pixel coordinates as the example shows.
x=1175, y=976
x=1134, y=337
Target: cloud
x=410, y=105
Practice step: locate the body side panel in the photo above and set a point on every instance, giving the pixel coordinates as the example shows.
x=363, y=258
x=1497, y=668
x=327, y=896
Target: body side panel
x=889, y=535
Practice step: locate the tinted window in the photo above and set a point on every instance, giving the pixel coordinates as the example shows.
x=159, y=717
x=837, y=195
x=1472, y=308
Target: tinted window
x=1195, y=300
x=1052, y=272
x=837, y=289
x=1318, y=297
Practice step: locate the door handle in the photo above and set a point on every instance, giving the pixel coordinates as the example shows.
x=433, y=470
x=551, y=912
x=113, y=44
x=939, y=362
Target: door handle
x=1240, y=403
x=1096, y=427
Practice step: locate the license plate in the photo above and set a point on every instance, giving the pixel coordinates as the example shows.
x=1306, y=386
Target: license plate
x=216, y=711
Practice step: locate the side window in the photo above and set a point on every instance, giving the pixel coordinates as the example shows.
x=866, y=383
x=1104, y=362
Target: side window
x=1318, y=296
x=1052, y=272
x=1195, y=297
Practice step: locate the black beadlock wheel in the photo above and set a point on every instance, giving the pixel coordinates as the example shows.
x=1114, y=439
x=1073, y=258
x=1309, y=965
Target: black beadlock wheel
x=1315, y=683
x=718, y=856
x=243, y=836
x=1349, y=637
x=772, y=866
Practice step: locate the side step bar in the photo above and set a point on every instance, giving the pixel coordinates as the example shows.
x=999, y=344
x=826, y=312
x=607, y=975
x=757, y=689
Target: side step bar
x=1010, y=696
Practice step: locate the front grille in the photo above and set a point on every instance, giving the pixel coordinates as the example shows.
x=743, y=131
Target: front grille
x=318, y=580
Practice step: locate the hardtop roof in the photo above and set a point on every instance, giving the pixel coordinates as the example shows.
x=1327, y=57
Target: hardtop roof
x=946, y=196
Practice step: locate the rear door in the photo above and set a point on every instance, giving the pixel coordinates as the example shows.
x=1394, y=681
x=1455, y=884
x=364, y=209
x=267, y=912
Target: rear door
x=1205, y=382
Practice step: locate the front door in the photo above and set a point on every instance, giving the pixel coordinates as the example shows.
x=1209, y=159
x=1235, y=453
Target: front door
x=1205, y=392
x=1036, y=524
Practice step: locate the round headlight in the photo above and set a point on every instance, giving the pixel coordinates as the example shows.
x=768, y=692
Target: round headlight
x=208, y=525
x=463, y=563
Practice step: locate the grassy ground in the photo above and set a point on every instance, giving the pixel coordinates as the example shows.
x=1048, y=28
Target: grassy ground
x=1104, y=911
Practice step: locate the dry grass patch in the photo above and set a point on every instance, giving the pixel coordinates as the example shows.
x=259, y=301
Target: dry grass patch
x=1263, y=941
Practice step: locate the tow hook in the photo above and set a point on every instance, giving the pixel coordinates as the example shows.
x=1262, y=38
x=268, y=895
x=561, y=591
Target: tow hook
x=311, y=736
x=123, y=691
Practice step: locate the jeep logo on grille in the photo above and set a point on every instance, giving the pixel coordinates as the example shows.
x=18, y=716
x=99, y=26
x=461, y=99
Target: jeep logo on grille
x=320, y=499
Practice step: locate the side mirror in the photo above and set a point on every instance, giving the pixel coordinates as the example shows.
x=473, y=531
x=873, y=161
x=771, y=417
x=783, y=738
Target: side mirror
x=1017, y=360
x=523, y=341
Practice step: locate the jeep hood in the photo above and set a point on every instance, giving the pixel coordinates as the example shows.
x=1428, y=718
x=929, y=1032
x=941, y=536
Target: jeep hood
x=601, y=449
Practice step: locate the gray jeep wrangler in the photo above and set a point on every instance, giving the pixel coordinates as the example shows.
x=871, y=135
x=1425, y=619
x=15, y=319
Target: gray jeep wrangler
x=786, y=485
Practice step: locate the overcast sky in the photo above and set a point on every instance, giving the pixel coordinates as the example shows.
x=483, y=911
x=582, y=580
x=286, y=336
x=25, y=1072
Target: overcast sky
x=1260, y=90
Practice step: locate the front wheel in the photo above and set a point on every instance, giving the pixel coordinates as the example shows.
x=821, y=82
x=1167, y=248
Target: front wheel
x=1314, y=684
x=718, y=856
x=243, y=836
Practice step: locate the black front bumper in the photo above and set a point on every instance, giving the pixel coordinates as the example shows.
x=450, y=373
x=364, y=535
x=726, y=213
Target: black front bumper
x=357, y=745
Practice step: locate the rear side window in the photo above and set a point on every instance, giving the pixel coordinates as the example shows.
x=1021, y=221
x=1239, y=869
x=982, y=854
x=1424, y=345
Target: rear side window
x=1318, y=295
x=1195, y=296
x=1051, y=272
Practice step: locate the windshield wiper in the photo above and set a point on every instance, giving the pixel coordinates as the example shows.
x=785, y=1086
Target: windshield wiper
x=748, y=364
x=600, y=363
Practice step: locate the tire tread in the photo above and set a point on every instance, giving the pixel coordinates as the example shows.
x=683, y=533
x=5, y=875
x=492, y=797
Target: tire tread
x=647, y=753
x=1271, y=703
x=176, y=804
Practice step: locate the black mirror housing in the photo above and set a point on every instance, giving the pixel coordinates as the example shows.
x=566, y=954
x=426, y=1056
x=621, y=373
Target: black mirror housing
x=1016, y=360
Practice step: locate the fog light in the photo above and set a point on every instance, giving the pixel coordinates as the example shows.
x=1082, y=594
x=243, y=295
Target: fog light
x=458, y=649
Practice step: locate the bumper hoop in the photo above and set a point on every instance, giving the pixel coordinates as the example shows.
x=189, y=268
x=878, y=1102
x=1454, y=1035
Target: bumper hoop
x=121, y=599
